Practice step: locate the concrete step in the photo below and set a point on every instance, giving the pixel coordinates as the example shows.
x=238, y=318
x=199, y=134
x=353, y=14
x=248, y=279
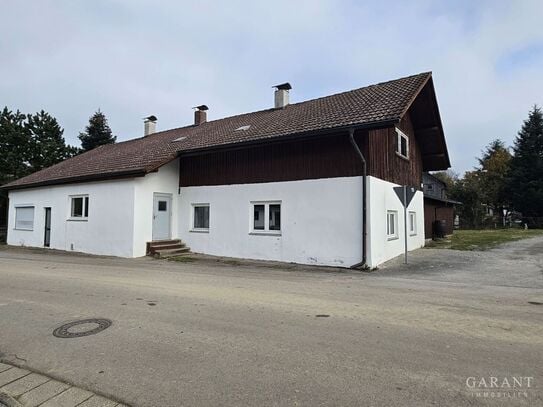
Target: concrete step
x=167, y=241
x=163, y=253
x=162, y=246
x=167, y=248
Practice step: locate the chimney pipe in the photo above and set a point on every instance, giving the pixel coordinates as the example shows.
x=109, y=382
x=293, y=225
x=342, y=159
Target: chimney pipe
x=282, y=95
x=200, y=115
x=149, y=125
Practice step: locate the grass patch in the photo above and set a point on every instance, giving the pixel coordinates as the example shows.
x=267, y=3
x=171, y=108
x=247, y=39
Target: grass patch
x=182, y=259
x=483, y=239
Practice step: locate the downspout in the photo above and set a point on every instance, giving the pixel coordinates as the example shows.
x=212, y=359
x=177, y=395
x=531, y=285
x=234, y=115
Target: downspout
x=364, y=200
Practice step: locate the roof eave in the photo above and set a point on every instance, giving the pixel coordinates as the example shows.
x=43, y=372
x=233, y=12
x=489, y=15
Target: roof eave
x=78, y=179
x=429, y=79
x=440, y=125
x=415, y=94
x=444, y=200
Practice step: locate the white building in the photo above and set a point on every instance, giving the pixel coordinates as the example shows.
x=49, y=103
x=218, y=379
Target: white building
x=279, y=184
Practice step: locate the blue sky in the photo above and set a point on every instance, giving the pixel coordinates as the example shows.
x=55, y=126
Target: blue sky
x=134, y=58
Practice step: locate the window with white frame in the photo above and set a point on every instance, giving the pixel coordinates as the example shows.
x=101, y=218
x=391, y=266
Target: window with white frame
x=266, y=217
x=24, y=217
x=79, y=207
x=201, y=217
x=412, y=223
x=402, y=147
x=392, y=225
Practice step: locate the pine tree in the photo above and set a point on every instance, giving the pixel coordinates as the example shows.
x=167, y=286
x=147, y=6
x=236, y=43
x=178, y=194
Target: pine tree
x=526, y=172
x=493, y=172
x=48, y=145
x=15, y=145
x=15, y=142
x=96, y=133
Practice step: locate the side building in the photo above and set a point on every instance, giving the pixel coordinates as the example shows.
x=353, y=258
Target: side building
x=437, y=207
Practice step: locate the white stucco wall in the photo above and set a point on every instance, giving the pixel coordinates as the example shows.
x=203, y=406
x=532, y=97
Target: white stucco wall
x=108, y=230
x=382, y=198
x=165, y=181
x=320, y=221
x=120, y=221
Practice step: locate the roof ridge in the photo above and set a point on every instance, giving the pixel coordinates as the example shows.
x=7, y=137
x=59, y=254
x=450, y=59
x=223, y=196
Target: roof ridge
x=363, y=87
x=426, y=73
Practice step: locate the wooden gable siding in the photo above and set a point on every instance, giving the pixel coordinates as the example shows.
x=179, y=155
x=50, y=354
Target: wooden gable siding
x=386, y=164
x=323, y=157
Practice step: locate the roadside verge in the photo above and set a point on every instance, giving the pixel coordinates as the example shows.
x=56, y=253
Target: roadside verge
x=24, y=388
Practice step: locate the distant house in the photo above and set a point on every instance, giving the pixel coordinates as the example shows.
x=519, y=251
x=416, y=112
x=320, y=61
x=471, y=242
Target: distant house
x=307, y=182
x=437, y=207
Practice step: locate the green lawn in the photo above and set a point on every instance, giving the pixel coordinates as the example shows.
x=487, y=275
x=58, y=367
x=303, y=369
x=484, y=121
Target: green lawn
x=482, y=239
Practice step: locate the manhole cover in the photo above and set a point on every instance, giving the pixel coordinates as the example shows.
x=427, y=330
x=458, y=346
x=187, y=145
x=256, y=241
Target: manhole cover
x=84, y=327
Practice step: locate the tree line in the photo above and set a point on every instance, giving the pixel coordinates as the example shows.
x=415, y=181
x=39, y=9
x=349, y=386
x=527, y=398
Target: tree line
x=31, y=142
x=507, y=181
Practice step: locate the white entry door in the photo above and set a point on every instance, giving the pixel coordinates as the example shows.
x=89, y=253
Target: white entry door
x=162, y=212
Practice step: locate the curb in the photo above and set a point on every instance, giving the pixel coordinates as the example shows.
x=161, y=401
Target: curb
x=22, y=386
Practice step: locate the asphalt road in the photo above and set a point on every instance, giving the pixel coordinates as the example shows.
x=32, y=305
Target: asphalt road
x=213, y=333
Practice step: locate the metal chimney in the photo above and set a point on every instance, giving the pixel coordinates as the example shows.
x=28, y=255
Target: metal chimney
x=281, y=95
x=200, y=115
x=149, y=125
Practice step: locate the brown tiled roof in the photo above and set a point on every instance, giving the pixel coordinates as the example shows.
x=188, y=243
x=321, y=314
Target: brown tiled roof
x=375, y=104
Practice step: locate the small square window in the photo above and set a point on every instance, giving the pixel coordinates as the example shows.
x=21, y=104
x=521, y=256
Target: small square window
x=201, y=217
x=266, y=217
x=392, y=225
x=402, y=147
x=24, y=218
x=79, y=207
x=162, y=206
